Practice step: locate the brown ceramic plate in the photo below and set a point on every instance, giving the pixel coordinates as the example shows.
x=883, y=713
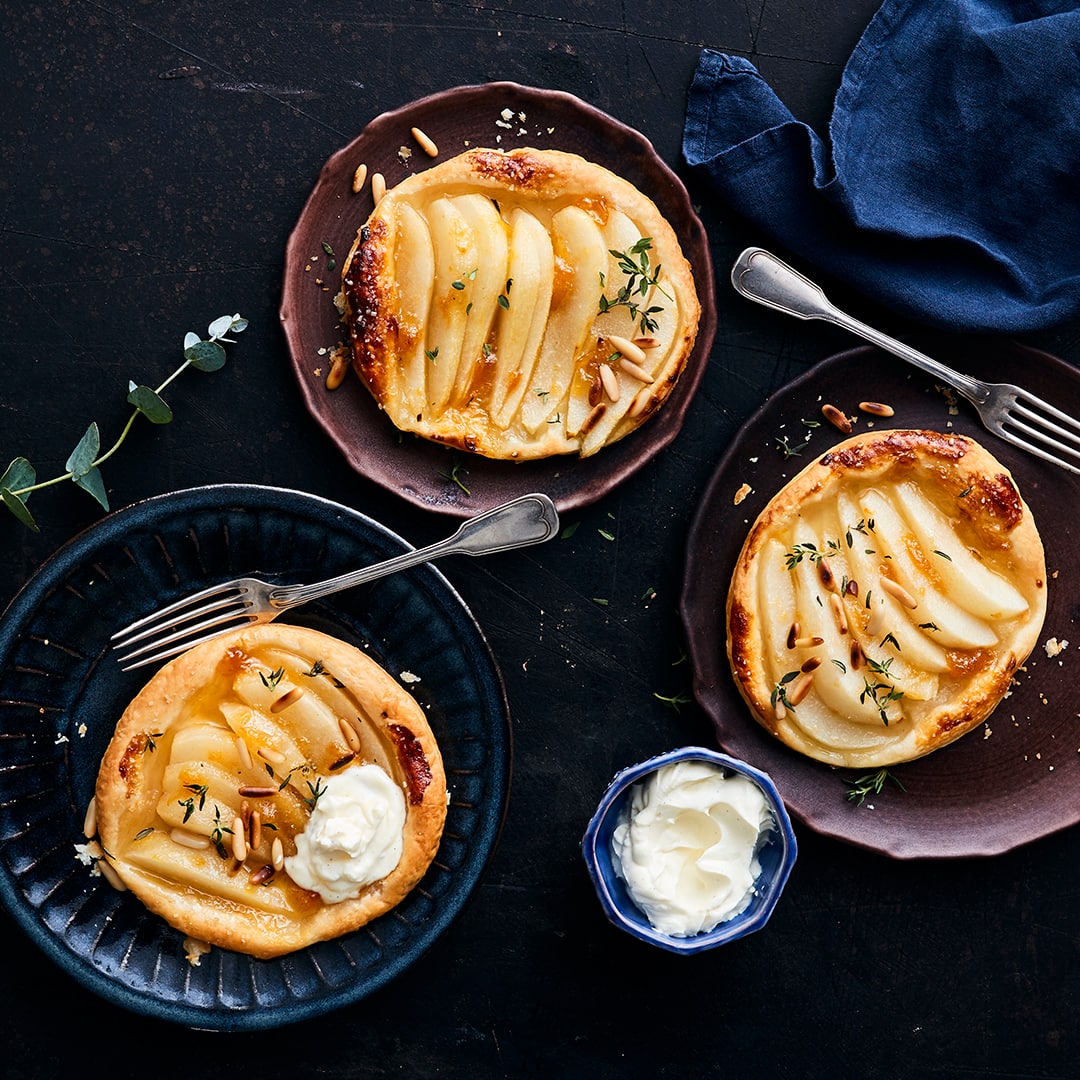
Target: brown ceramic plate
x=1005, y=784
x=457, y=119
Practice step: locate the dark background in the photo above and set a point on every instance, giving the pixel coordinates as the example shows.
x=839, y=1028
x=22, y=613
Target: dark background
x=153, y=160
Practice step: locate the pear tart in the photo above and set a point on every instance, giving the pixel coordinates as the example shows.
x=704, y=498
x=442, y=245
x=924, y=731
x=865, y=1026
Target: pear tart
x=519, y=305
x=219, y=763
x=885, y=597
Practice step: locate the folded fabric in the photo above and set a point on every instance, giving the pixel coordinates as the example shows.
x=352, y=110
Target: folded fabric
x=949, y=189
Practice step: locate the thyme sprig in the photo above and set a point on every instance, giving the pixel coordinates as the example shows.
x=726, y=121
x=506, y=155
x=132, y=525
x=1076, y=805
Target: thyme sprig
x=20, y=480
x=882, y=694
x=641, y=276
x=870, y=784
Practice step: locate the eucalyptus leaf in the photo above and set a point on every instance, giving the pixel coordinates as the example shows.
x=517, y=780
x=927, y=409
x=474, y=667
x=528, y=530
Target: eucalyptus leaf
x=82, y=457
x=91, y=481
x=191, y=339
x=18, y=507
x=19, y=474
x=150, y=404
x=221, y=326
x=206, y=356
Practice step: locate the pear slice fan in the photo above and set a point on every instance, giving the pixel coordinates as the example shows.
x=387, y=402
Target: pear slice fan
x=519, y=305
x=885, y=597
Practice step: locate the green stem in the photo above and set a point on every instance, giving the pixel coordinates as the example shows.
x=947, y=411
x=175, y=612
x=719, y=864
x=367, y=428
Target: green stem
x=108, y=453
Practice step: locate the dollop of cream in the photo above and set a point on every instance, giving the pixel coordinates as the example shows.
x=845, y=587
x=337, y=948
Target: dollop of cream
x=687, y=844
x=353, y=837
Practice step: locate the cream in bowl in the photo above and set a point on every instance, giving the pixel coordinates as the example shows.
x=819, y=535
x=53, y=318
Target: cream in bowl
x=690, y=849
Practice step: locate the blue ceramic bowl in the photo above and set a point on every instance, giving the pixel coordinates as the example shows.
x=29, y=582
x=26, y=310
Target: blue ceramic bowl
x=776, y=856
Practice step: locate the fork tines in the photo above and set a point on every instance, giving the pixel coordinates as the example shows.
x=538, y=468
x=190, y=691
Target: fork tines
x=1051, y=428
x=173, y=629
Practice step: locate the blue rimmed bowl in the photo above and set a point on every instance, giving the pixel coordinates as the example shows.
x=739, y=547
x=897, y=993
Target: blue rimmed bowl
x=776, y=856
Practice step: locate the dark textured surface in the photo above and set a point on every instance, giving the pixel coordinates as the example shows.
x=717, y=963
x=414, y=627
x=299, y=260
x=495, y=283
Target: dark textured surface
x=153, y=162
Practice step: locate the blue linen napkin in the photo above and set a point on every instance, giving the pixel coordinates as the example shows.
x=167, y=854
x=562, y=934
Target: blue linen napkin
x=949, y=189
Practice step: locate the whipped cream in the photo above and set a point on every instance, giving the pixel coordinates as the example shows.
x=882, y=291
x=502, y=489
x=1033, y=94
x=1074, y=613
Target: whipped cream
x=353, y=837
x=687, y=842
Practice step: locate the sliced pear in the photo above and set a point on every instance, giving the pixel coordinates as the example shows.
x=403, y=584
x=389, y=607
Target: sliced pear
x=414, y=276
x=969, y=582
x=204, y=871
x=523, y=321
x=581, y=253
x=918, y=648
x=456, y=257
x=481, y=286
x=839, y=688
x=956, y=627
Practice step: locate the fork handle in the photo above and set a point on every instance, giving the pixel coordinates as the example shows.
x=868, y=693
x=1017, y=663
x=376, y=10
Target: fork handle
x=761, y=276
x=529, y=519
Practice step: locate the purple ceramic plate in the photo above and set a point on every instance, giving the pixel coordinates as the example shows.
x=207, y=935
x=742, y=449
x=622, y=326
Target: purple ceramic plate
x=1013, y=779
x=471, y=116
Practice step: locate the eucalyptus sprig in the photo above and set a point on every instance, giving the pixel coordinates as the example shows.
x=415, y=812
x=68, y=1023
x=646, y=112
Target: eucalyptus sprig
x=20, y=480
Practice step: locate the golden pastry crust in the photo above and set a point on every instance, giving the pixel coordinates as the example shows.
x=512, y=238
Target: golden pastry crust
x=885, y=597
x=474, y=297
x=175, y=774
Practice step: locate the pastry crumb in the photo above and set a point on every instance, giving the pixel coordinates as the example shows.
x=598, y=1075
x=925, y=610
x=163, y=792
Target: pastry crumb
x=741, y=494
x=409, y=677
x=1053, y=647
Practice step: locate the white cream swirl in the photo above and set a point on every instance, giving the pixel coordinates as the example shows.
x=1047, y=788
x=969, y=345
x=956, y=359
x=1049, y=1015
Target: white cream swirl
x=354, y=835
x=686, y=844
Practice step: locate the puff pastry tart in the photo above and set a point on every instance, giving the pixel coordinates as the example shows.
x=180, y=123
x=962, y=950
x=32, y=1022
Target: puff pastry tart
x=271, y=789
x=884, y=598
x=519, y=305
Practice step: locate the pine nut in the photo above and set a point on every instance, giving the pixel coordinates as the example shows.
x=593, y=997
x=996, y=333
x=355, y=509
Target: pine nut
x=269, y=754
x=778, y=710
x=350, y=734
x=875, y=622
x=243, y=753
x=611, y=384
x=807, y=642
x=800, y=688
x=635, y=371
x=852, y=587
x=359, y=177
x=898, y=591
x=255, y=829
x=592, y=419
x=836, y=418
x=339, y=368
x=290, y=697
x=596, y=391
x=426, y=143
x=378, y=187
x=838, y=611
x=189, y=839
x=251, y=791
x=261, y=876
x=792, y=635
x=647, y=342
x=89, y=826
x=342, y=761
x=239, y=840
x=277, y=853
x=812, y=664
x=876, y=408
x=628, y=349
x=826, y=574
x=856, y=655
x=110, y=875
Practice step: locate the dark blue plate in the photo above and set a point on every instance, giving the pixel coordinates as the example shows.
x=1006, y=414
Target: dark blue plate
x=62, y=691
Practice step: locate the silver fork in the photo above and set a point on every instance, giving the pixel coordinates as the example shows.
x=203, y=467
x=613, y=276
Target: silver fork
x=219, y=609
x=1010, y=412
